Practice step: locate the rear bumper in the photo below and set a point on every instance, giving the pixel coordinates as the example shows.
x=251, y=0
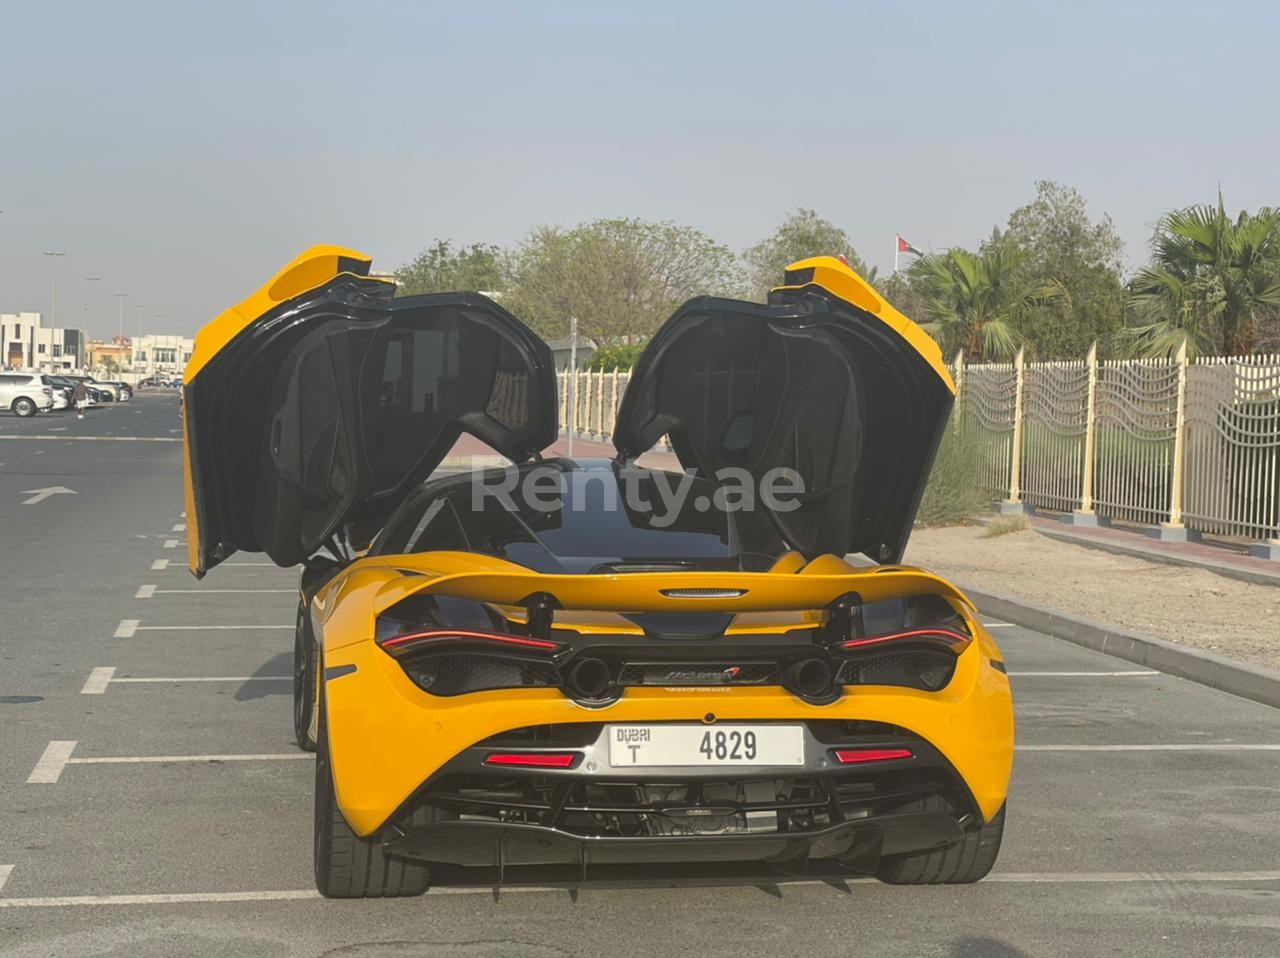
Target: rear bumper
x=388, y=740
x=857, y=844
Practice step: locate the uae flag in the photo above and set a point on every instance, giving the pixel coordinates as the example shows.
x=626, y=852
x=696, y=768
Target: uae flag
x=905, y=247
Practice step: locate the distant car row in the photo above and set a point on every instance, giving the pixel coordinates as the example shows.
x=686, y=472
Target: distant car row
x=25, y=394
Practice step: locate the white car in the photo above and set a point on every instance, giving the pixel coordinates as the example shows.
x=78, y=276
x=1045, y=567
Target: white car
x=24, y=394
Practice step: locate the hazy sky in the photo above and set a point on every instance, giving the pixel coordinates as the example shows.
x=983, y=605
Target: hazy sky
x=183, y=151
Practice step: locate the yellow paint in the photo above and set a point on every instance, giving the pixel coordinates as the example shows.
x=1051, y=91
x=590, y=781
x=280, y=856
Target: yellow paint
x=387, y=736
x=839, y=280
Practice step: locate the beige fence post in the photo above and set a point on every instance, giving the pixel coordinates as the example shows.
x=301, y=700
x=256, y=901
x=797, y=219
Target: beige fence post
x=600, y=404
x=959, y=377
x=1085, y=516
x=1173, y=530
x=562, y=379
x=1014, y=503
x=613, y=400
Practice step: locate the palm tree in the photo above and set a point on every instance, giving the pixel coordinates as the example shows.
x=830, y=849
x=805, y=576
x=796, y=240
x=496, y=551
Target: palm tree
x=1210, y=282
x=977, y=301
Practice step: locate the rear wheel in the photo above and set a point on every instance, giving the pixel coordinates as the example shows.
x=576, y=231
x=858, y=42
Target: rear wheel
x=305, y=681
x=346, y=865
x=966, y=861
x=22, y=406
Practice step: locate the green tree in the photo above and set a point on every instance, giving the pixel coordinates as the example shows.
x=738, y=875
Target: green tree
x=1060, y=247
x=617, y=356
x=110, y=364
x=802, y=234
x=1212, y=281
x=620, y=277
x=979, y=302
x=442, y=268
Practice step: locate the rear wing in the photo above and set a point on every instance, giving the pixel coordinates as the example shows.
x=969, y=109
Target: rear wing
x=815, y=587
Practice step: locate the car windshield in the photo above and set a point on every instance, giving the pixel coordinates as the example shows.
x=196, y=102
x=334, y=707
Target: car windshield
x=557, y=519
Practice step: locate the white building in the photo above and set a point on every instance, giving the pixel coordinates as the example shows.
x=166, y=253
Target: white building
x=26, y=343
x=161, y=354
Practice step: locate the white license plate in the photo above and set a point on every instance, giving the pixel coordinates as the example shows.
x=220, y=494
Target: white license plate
x=690, y=746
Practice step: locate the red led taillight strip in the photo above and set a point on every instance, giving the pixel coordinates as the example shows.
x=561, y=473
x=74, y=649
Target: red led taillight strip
x=852, y=756
x=957, y=640
x=533, y=759
x=441, y=635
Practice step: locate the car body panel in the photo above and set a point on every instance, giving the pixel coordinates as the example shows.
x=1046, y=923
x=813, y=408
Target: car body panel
x=315, y=404
x=826, y=381
x=378, y=720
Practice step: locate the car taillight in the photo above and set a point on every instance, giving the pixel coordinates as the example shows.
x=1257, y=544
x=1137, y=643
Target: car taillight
x=533, y=759
x=853, y=756
x=399, y=643
x=957, y=642
x=47, y=391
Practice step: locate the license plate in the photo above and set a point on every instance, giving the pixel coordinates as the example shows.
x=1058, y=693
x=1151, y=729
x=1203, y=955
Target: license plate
x=689, y=746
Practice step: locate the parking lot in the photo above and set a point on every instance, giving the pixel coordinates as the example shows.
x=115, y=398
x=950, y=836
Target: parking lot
x=152, y=801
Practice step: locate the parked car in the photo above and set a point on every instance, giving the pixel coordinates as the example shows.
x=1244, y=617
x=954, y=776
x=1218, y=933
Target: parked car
x=123, y=391
x=24, y=394
x=97, y=392
x=117, y=394
x=62, y=392
x=595, y=677
x=70, y=386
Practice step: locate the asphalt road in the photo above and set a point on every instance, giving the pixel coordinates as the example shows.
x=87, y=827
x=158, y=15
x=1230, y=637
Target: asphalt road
x=1144, y=817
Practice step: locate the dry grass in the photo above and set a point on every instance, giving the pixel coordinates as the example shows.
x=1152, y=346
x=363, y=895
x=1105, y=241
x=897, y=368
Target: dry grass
x=1003, y=525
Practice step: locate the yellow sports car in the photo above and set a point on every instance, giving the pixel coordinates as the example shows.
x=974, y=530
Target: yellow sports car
x=589, y=663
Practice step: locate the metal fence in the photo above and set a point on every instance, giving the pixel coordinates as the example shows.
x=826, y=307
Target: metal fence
x=1169, y=442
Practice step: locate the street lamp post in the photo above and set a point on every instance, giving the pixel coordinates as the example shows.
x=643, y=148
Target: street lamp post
x=53, y=255
x=139, y=307
x=120, y=297
x=90, y=279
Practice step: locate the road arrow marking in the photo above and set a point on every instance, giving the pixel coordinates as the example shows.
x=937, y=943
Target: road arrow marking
x=40, y=495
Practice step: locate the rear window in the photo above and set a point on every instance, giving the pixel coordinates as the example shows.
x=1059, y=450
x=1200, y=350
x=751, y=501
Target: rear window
x=589, y=523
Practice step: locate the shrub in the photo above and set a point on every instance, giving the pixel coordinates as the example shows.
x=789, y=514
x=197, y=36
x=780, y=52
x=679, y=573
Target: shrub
x=619, y=356
x=954, y=493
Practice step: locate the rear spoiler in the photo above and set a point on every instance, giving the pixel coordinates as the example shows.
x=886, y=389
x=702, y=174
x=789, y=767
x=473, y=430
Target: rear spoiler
x=815, y=587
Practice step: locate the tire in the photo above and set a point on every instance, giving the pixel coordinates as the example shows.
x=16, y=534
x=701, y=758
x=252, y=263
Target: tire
x=346, y=865
x=305, y=682
x=966, y=861
x=24, y=407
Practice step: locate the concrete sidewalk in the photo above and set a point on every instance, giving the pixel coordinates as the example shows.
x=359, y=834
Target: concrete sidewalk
x=1220, y=559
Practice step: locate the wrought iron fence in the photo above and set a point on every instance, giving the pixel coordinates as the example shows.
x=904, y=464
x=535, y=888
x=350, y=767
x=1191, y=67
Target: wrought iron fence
x=1170, y=442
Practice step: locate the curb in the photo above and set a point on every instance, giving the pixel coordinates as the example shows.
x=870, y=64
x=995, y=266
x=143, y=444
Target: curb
x=1247, y=681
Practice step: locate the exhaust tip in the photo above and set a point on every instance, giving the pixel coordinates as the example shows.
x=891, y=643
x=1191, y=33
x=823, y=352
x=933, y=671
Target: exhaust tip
x=590, y=679
x=810, y=678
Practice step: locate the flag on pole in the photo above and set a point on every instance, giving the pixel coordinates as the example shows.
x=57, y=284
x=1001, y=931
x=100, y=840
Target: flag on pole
x=905, y=247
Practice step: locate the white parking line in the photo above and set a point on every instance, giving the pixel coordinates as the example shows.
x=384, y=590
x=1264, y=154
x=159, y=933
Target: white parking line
x=164, y=759
x=171, y=543
x=97, y=681
x=49, y=768
x=126, y=628
x=201, y=628
x=156, y=591
x=157, y=679
x=308, y=894
x=145, y=592
x=998, y=625
x=5, y=872
x=180, y=527
x=1075, y=674
x=1178, y=747
x=159, y=565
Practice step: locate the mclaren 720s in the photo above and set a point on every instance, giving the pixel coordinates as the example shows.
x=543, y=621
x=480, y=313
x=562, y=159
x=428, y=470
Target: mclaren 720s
x=588, y=663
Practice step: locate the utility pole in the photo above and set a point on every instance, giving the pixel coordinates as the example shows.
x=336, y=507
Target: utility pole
x=80, y=340
x=53, y=255
x=138, y=345
x=120, y=297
